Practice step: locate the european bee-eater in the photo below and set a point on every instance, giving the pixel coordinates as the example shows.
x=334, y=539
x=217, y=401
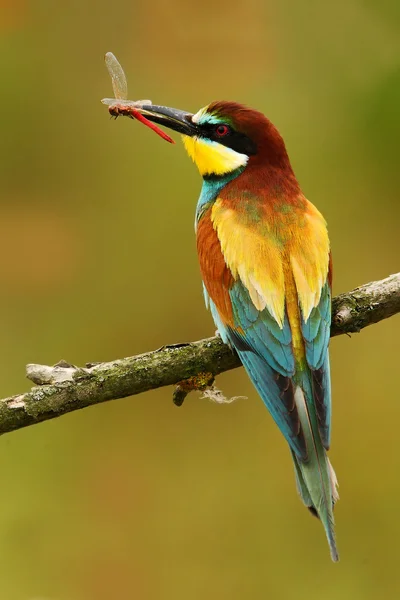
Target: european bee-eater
x=265, y=262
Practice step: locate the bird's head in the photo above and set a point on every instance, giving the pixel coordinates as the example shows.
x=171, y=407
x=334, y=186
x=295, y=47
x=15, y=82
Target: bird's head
x=224, y=137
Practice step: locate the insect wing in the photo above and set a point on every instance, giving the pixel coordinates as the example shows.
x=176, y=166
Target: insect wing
x=127, y=103
x=118, y=79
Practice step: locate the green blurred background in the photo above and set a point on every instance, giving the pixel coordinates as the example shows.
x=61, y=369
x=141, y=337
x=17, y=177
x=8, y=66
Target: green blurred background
x=136, y=498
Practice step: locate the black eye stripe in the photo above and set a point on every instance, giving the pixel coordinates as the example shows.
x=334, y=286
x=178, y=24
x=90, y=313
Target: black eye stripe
x=232, y=139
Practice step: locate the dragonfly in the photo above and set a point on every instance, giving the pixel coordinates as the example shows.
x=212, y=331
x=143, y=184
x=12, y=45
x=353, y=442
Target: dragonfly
x=120, y=105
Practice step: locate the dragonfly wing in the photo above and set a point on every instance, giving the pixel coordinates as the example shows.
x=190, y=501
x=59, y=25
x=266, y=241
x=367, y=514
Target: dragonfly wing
x=118, y=79
x=127, y=103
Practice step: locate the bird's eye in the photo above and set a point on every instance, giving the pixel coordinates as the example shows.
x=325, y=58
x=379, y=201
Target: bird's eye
x=222, y=130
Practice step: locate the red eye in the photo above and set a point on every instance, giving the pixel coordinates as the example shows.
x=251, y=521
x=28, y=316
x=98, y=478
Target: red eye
x=222, y=130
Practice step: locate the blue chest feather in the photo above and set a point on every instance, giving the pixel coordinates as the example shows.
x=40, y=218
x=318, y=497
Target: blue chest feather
x=210, y=191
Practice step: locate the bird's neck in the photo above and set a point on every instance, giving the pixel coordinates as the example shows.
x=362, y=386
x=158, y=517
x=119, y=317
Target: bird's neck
x=271, y=184
x=212, y=186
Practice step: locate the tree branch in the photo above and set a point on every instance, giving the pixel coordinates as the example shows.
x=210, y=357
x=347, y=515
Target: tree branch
x=64, y=388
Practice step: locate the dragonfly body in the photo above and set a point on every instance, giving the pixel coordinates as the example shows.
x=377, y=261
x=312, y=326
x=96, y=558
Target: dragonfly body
x=120, y=106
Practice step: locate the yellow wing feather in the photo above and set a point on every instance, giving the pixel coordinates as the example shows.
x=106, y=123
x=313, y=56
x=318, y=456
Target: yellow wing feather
x=309, y=259
x=258, y=251
x=253, y=257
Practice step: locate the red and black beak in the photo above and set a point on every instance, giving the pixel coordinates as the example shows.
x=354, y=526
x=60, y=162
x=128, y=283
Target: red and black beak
x=178, y=120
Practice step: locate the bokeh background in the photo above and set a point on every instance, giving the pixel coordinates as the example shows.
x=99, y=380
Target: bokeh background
x=137, y=498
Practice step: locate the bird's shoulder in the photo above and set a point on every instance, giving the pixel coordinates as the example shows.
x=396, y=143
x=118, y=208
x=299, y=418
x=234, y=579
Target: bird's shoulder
x=260, y=239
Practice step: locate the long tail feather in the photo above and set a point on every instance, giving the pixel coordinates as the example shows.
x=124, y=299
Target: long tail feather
x=316, y=479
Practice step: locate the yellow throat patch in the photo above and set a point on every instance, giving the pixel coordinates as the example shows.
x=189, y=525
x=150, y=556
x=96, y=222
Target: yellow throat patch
x=213, y=158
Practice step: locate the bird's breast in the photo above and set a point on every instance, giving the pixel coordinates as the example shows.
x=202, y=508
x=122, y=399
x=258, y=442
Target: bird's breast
x=215, y=273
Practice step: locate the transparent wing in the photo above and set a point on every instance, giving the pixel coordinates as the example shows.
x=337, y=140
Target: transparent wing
x=119, y=83
x=127, y=103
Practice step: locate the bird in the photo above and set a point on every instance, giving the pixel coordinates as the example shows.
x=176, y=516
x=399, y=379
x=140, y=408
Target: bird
x=265, y=262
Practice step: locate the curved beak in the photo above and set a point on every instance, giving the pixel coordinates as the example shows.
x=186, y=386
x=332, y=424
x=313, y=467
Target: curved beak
x=178, y=120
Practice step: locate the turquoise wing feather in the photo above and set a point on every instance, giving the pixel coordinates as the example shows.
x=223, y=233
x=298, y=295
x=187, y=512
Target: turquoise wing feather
x=266, y=353
x=261, y=333
x=316, y=334
x=316, y=330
